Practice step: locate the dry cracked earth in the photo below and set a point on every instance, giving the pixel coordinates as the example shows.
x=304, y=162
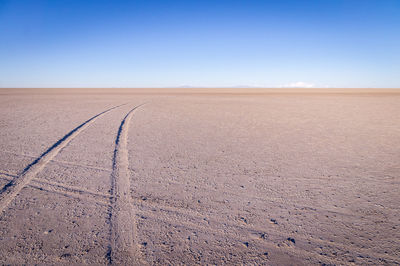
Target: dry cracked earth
x=167, y=178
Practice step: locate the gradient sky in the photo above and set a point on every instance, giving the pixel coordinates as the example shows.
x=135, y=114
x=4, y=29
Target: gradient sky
x=216, y=43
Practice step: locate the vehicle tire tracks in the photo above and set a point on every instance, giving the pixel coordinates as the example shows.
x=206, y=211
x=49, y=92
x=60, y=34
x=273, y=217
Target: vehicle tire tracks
x=65, y=190
x=124, y=248
x=11, y=190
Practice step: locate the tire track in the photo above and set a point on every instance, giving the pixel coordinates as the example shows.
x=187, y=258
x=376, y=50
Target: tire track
x=69, y=194
x=62, y=189
x=124, y=248
x=11, y=190
x=61, y=162
x=73, y=189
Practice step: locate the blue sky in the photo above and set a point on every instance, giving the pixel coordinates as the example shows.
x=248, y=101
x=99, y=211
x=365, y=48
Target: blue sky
x=216, y=43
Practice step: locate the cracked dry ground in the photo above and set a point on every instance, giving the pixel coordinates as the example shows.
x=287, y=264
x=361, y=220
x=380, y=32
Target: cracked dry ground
x=211, y=179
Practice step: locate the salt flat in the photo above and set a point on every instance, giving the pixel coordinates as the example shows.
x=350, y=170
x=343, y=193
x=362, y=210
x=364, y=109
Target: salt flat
x=199, y=177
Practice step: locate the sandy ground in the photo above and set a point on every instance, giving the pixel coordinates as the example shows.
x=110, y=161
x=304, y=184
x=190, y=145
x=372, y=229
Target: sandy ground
x=226, y=178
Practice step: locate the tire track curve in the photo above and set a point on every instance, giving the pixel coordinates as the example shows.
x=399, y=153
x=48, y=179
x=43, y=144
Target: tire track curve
x=11, y=190
x=124, y=249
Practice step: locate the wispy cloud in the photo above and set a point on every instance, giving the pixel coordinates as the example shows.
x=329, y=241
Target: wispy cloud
x=298, y=84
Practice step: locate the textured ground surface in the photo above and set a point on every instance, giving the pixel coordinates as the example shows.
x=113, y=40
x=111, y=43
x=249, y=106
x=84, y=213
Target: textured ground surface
x=245, y=179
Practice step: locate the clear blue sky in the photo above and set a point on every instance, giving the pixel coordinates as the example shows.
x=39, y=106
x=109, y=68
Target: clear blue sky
x=336, y=43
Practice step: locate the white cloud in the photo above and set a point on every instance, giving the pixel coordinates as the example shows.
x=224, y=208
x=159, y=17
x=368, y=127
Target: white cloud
x=298, y=84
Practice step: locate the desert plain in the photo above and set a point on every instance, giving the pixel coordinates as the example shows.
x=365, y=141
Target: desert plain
x=186, y=176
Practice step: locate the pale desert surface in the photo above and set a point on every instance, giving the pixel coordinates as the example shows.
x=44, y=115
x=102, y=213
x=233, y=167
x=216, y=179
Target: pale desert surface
x=292, y=178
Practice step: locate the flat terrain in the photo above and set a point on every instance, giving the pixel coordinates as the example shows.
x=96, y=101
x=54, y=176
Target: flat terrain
x=166, y=177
